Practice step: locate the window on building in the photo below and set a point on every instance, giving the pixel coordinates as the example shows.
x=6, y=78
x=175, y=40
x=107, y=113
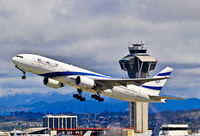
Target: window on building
x=68, y=122
x=60, y=123
x=45, y=122
x=55, y=122
x=64, y=123
x=73, y=122
x=174, y=128
x=51, y=123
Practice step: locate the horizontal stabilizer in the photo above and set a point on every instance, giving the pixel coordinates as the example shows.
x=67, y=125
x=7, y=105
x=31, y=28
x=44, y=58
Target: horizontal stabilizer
x=165, y=97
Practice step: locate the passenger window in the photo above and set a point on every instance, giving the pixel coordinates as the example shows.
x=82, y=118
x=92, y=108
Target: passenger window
x=47, y=62
x=39, y=60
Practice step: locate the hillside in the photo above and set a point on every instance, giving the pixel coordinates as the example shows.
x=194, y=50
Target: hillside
x=190, y=117
x=22, y=120
x=93, y=106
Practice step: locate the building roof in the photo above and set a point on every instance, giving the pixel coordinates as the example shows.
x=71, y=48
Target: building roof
x=17, y=132
x=175, y=125
x=59, y=116
x=147, y=58
x=32, y=130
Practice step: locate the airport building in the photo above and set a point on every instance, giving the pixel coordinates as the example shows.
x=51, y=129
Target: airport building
x=174, y=130
x=60, y=122
x=67, y=125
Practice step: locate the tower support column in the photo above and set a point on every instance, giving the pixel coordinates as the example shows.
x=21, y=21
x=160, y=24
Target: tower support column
x=138, y=116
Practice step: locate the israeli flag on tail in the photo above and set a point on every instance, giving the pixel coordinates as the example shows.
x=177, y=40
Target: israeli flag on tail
x=156, y=86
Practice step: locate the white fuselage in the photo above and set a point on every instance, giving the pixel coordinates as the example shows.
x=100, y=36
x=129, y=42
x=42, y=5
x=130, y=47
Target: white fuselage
x=67, y=74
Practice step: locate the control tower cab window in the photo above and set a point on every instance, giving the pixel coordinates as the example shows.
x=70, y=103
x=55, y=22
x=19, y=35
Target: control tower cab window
x=19, y=56
x=137, y=51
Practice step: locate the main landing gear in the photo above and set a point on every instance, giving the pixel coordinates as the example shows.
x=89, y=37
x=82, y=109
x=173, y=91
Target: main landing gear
x=79, y=95
x=24, y=73
x=97, y=97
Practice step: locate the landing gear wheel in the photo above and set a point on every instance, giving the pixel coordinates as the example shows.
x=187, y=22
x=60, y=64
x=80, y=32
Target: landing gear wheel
x=24, y=77
x=96, y=97
x=75, y=96
x=93, y=95
x=101, y=99
x=82, y=99
x=79, y=95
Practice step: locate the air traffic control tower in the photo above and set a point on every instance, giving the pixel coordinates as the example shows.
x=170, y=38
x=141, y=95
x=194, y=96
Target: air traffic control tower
x=138, y=64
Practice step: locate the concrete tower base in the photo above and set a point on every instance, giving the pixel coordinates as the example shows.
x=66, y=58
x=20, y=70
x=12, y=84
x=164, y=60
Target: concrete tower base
x=138, y=115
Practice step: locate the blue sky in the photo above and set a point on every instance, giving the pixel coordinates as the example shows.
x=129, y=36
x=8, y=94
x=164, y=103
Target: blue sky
x=96, y=34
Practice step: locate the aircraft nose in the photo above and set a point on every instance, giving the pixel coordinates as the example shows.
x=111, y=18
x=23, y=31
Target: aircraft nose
x=14, y=60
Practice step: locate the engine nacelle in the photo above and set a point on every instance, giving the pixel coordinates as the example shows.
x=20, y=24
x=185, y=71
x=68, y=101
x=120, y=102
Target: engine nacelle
x=52, y=83
x=85, y=82
x=163, y=100
x=108, y=91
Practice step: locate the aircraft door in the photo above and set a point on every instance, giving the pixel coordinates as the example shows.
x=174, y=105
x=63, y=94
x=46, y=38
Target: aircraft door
x=34, y=61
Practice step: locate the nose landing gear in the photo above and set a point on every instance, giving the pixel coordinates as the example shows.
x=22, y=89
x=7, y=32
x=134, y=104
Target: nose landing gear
x=24, y=73
x=24, y=76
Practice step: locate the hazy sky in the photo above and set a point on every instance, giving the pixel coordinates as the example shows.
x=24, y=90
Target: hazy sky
x=95, y=34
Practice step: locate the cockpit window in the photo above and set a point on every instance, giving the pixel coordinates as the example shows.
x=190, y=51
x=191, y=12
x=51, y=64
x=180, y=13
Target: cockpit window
x=19, y=56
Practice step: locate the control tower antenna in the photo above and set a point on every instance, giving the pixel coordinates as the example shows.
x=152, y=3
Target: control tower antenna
x=138, y=64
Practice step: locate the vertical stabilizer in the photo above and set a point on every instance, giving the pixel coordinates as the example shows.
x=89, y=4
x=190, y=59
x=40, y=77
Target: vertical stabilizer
x=158, y=85
x=88, y=133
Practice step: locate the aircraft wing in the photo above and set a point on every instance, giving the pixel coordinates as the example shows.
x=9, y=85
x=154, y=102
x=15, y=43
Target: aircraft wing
x=118, y=82
x=165, y=97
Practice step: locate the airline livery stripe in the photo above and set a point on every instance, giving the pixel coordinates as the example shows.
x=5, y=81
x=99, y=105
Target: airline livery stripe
x=164, y=74
x=152, y=87
x=56, y=74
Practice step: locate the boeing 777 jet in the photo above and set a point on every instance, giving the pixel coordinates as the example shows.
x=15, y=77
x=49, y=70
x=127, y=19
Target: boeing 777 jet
x=57, y=74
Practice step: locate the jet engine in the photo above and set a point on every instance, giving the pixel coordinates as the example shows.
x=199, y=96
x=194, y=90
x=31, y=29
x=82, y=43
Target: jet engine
x=85, y=82
x=52, y=83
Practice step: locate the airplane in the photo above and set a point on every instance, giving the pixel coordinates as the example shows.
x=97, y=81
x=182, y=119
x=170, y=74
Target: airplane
x=57, y=74
x=88, y=133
